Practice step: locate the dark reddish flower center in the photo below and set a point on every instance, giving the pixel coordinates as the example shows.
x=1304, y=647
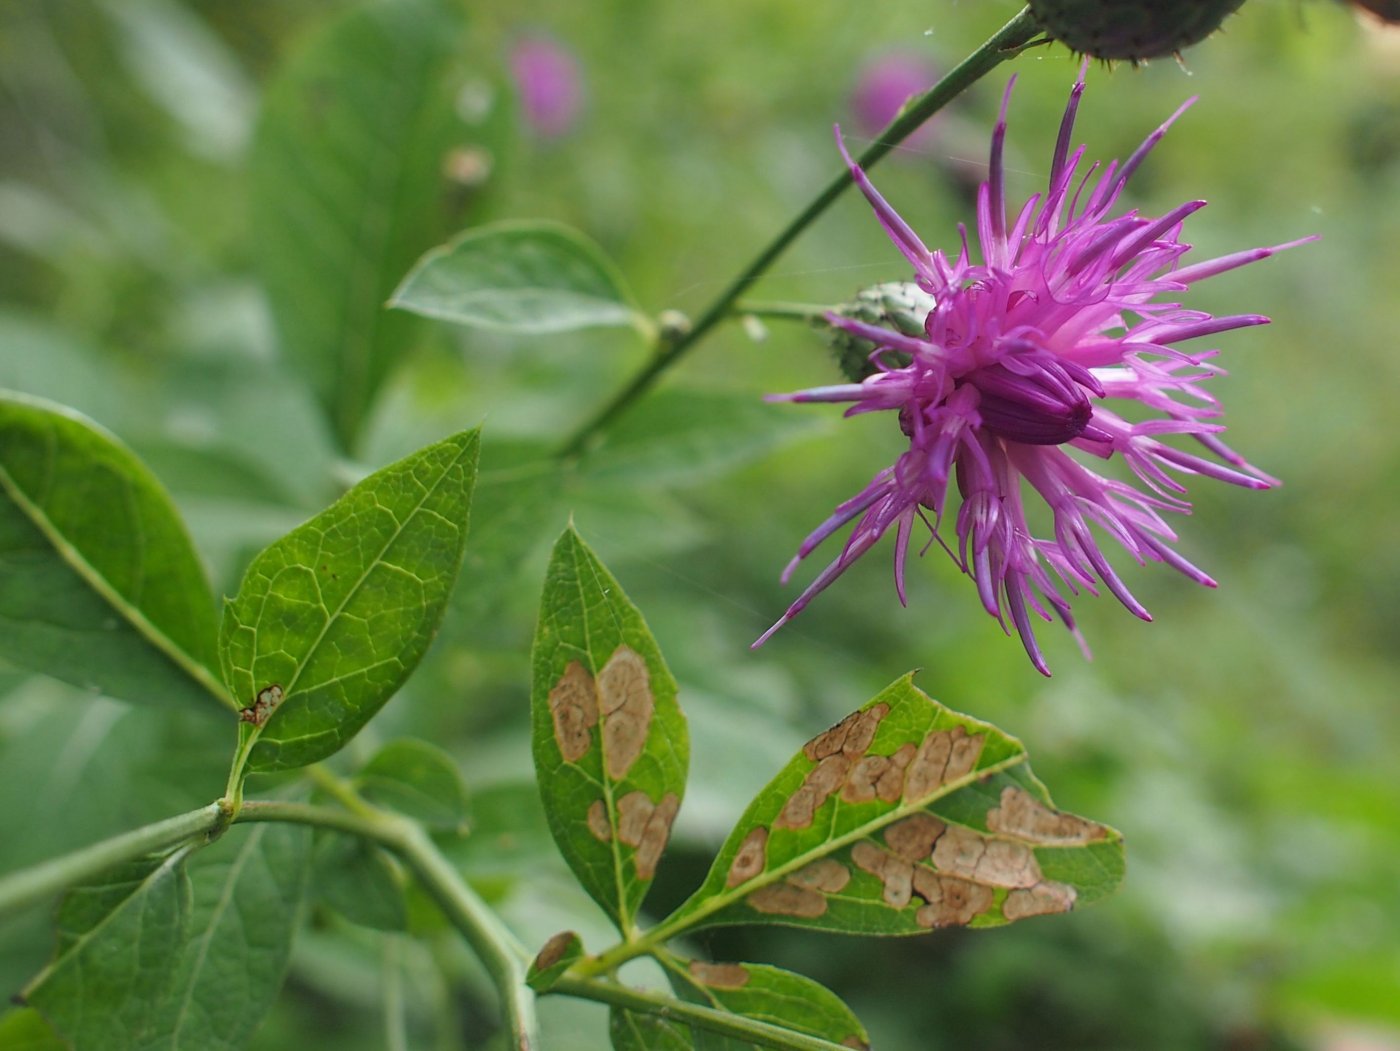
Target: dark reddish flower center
x=1036, y=402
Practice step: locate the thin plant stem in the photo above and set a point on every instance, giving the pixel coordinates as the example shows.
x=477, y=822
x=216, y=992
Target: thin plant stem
x=1007, y=42
x=781, y=311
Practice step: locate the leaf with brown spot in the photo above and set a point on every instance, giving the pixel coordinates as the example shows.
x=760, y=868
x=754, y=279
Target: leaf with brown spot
x=608, y=736
x=558, y=954
x=903, y=817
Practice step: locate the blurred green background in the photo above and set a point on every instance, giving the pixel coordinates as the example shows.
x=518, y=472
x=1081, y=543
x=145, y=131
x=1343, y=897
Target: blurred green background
x=1245, y=742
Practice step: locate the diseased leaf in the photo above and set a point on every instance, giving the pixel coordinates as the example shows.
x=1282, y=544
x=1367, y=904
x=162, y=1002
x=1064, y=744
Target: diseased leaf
x=349, y=183
x=766, y=994
x=359, y=881
x=120, y=942
x=249, y=890
x=559, y=954
x=609, y=739
x=416, y=779
x=99, y=583
x=332, y=618
x=632, y=1031
x=904, y=817
x=527, y=277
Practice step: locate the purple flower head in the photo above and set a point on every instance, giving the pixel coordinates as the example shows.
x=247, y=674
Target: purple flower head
x=1021, y=360
x=549, y=85
x=885, y=84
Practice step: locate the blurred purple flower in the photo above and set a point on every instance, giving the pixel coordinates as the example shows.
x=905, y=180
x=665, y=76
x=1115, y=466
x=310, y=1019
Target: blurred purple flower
x=885, y=84
x=1019, y=359
x=549, y=84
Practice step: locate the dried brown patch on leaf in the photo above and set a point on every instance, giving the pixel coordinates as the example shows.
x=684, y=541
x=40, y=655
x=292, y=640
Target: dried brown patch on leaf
x=852, y=735
x=914, y=837
x=720, y=975
x=574, y=706
x=1004, y=863
x=627, y=704
x=634, y=810
x=1021, y=814
x=943, y=756
x=266, y=702
x=598, y=822
x=896, y=873
x=787, y=899
x=656, y=835
x=751, y=858
x=802, y=805
x=554, y=950
x=826, y=875
x=1043, y=898
x=855, y=1042
x=951, y=902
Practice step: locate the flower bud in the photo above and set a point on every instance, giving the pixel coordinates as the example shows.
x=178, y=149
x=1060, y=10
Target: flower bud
x=1040, y=406
x=898, y=305
x=1131, y=29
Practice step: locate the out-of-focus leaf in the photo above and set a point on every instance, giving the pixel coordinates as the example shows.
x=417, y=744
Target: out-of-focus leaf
x=767, y=994
x=361, y=882
x=520, y=277
x=24, y=1029
x=101, y=586
x=120, y=943
x=336, y=615
x=609, y=739
x=631, y=1031
x=904, y=817
x=416, y=779
x=559, y=954
x=348, y=188
x=248, y=895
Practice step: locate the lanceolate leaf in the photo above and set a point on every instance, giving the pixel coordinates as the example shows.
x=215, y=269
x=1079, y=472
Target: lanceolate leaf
x=248, y=894
x=119, y=944
x=99, y=583
x=333, y=617
x=902, y=818
x=519, y=277
x=347, y=189
x=610, y=742
x=766, y=994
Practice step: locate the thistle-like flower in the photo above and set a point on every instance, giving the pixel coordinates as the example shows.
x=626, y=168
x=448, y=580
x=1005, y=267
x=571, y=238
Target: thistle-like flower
x=1020, y=360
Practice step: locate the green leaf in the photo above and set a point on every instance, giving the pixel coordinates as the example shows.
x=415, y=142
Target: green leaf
x=520, y=277
x=632, y=1031
x=348, y=188
x=418, y=780
x=609, y=739
x=766, y=994
x=120, y=943
x=362, y=883
x=25, y=1030
x=559, y=954
x=904, y=817
x=339, y=612
x=249, y=890
x=99, y=583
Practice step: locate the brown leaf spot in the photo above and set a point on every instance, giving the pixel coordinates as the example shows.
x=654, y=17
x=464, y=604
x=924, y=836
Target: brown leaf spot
x=951, y=902
x=574, y=707
x=863, y=727
x=855, y=1042
x=598, y=821
x=825, y=875
x=751, y=858
x=803, y=804
x=860, y=786
x=553, y=950
x=1021, y=814
x=655, y=835
x=267, y=700
x=1039, y=900
x=942, y=756
x=634, y=810
x=829, y=742
x=914, y=837
x=896, y=873
x=626, y=703
x=963, y=852
x=788, y=899
x=720, y=975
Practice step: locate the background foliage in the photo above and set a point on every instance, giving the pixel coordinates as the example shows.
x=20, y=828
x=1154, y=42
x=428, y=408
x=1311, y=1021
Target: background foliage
x=1243, y=743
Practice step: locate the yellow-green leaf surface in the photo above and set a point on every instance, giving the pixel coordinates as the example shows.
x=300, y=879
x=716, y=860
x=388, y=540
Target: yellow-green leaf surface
x=523, y=277
x=99, y=583
x=610, y=742
x=339, y=612
x=119, y=943
x=348, y=185
x=904, y=817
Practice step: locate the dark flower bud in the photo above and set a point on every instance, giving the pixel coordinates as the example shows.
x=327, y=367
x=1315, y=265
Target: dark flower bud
x=1040, y=406
x=898, y=305
x=1131, y=29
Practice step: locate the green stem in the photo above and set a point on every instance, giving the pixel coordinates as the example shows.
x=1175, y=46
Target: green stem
x=732, y=1025
x=1007, y=42
x=34, y=884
